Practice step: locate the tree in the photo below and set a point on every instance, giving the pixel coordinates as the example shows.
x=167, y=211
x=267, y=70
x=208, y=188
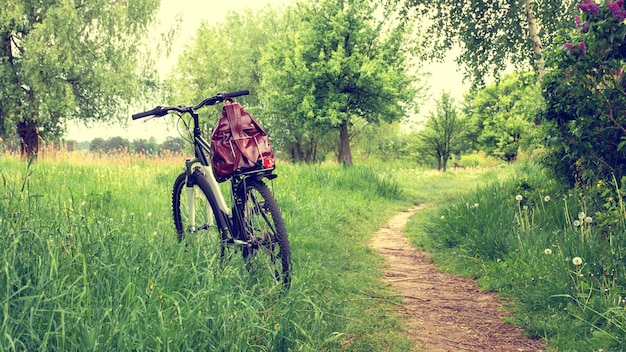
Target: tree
x=71, y=145
x=501, y=115
x=116, y=145
x=585, y=91
x=223, y=57
x=63, y=60
x=491, y=34
x=173, y=145
x=97, y=145
x=443, y=132
x=338, y=63
x=146, y=146
x=384, y=141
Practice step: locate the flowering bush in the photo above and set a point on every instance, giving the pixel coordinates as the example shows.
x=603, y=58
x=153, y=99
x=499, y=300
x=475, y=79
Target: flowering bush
x=585, y=93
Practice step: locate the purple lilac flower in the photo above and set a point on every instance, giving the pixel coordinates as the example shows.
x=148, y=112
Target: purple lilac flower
x=569, y=47
x=616, y=9
x=590, y=7
x=577, y=21
x=583, y=48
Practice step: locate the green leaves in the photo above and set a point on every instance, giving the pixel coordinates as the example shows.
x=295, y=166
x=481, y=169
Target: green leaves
x=442, y=134
x=71, y=60
x=339, y=63
x=586, y=98
x=501, y=115
x=490, y=34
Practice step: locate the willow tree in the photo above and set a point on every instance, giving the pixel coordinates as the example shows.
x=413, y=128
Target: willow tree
x=62, y=60
x=491, y=34
x=340, y=63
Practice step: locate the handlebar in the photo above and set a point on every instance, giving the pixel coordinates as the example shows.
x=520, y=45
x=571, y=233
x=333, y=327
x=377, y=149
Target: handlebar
x=164, y=110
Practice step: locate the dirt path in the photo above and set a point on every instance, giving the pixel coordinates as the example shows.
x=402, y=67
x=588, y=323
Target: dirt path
x=443, y=312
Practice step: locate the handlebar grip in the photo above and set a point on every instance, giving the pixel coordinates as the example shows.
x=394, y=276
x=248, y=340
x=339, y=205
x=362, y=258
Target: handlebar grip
x=158, y=111
x=236, y=94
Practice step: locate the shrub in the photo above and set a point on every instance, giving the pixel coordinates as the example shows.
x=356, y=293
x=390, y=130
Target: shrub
x=585, y=94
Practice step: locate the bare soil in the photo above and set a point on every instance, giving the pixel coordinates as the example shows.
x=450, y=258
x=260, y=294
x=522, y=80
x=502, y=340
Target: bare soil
x=444, y=312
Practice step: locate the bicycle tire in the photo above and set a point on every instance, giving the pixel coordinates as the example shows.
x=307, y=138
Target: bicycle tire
x=263, y=227
x=204, y=218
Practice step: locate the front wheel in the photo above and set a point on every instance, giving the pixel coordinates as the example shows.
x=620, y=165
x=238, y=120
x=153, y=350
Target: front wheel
x=268, y=254
x=190, y=206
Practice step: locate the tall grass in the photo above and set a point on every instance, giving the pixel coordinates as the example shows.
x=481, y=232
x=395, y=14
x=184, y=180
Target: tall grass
x=89, y=261
x=558, y=255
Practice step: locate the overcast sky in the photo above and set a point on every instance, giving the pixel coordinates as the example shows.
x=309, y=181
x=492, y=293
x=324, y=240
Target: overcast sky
x=444, y=76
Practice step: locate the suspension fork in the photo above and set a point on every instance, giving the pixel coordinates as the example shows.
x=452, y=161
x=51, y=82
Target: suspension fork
x=215, y=198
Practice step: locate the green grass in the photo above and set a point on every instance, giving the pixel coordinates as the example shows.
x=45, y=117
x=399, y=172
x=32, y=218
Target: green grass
x=89, y=261
x=89, y=258
x=520, y=236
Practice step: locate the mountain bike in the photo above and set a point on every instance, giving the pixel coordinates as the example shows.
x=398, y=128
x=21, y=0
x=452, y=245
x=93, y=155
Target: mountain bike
x=252, y=225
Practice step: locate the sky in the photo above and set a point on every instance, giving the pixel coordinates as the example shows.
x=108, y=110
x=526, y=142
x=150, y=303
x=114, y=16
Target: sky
x=444, y=76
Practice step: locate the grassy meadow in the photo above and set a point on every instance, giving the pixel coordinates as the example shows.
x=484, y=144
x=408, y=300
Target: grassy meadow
x=89, y=258
x=89, y=261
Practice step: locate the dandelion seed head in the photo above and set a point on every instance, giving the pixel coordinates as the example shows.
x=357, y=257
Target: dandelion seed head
x=519, y=197
x=588, y=219
x=442, y=217
x=576, y=223
x=577, y=261
x=582, y=215
x=547, y=251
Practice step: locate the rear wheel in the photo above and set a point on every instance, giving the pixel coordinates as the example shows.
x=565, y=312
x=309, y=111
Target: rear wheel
x=268, y=254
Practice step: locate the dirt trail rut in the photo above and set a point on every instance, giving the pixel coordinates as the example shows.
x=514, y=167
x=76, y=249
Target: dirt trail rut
x=443, y=312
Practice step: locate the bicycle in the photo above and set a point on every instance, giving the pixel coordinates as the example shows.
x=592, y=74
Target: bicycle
x=254, y=224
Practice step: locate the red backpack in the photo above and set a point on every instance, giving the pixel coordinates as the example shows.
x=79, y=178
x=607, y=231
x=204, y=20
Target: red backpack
x=239, y=144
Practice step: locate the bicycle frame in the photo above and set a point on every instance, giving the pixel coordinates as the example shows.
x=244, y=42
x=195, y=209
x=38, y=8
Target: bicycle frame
x=217, y=202
x=227, y=220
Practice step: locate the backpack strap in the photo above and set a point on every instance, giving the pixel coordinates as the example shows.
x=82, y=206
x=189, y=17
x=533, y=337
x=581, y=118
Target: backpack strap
x=233, y=114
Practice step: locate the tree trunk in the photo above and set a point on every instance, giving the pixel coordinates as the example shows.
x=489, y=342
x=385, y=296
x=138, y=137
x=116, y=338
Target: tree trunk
x=533, y=32
x=29, y=138
x=345, y=155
